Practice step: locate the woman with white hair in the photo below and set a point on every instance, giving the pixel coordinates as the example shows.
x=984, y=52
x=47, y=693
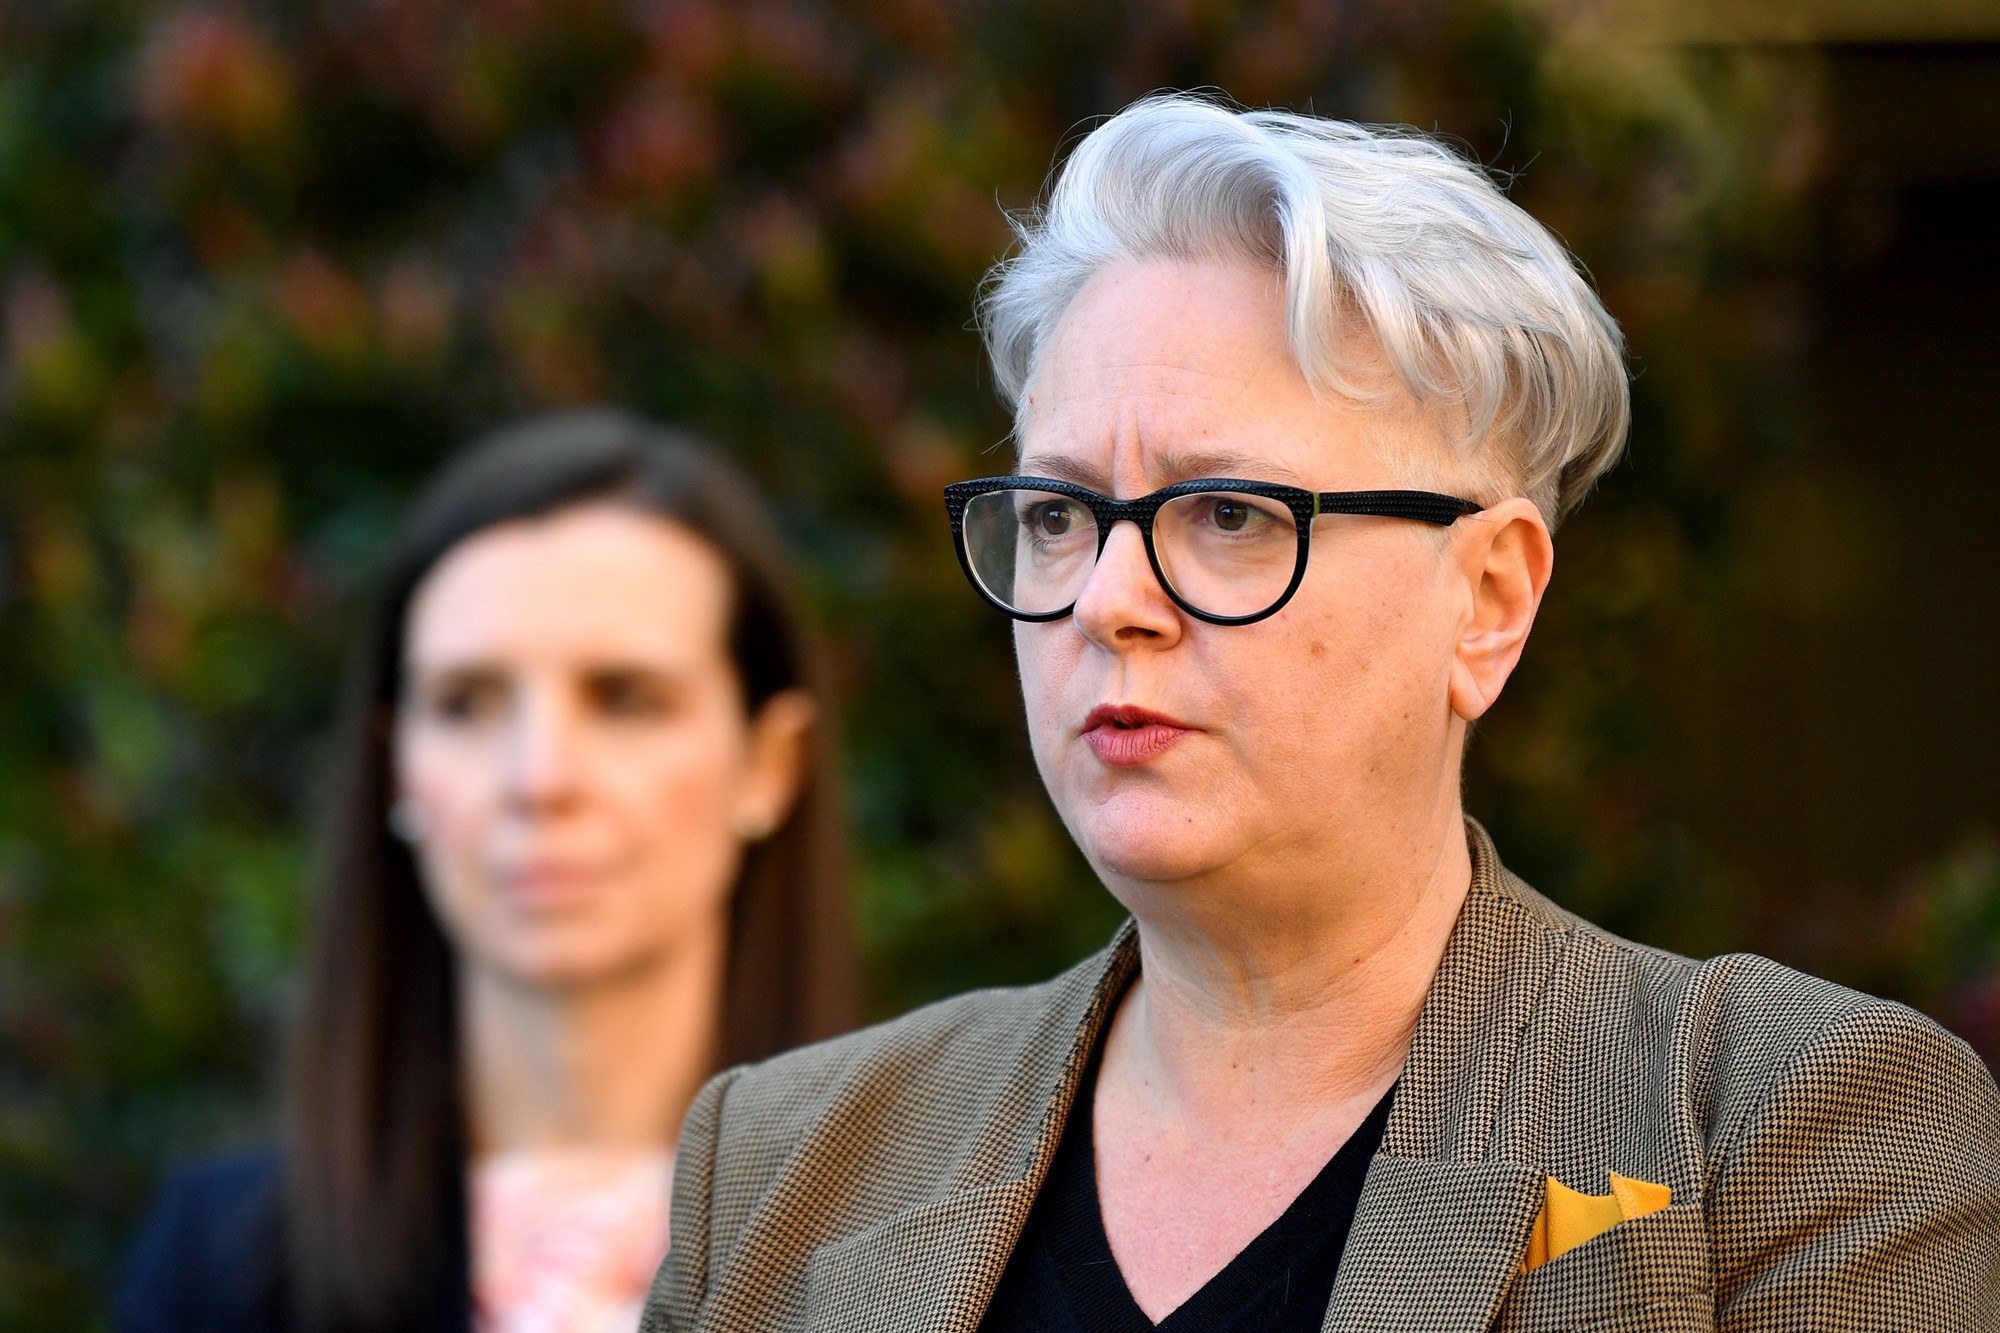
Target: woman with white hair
x=1299, y=404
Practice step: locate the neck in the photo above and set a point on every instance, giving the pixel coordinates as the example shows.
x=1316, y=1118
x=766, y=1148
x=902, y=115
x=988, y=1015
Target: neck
x=613, y=1064
x=1273, y=1004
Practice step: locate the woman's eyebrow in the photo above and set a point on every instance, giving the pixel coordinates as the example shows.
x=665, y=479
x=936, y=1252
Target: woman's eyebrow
x=421, y=677
x=665, y=673
x=1168, y=467
x=619, y=664
x=451, y=668
x=1175, y=465
x=1062, y=468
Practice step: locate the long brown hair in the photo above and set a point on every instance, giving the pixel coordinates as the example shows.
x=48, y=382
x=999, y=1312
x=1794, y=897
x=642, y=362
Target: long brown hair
x=374, y=1206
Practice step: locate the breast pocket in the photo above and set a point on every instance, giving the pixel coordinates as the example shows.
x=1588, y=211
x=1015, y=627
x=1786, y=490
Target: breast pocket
x=1649, y=1275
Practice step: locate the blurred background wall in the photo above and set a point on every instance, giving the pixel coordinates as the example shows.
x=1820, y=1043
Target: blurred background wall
x=261, y=267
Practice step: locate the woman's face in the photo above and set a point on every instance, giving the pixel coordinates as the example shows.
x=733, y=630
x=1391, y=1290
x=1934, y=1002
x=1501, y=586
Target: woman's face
x=1337, y=709
x=572, y=748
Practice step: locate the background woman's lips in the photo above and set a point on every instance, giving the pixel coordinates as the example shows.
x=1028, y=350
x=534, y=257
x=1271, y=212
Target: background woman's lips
x=1124, y=736
x=551, y=885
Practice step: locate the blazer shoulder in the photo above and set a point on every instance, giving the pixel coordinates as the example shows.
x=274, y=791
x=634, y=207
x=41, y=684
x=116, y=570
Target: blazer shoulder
x=1744, y=993
x=1781, y=1039
x=944, y=1048
x=1754, y=1017
x=1745, y=1021
x=1854, y=1179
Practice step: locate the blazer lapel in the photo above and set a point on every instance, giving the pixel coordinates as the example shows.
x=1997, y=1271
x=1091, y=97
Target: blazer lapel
x=1442, y=1223
x=928, y=1268
x=933, y=1267
x=1434, y=1245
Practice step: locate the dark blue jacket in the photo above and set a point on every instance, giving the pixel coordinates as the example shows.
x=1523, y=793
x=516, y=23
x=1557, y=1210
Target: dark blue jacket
x=210, y=1259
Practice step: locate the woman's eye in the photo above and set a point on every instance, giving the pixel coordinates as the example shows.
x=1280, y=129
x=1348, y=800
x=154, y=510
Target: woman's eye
x=467, y=702
x=632, y=698
x=1236, y=516
x=1055, y=520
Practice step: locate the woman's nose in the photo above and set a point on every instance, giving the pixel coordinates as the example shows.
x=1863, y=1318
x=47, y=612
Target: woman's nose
x=1122, y=603
x=542, y=759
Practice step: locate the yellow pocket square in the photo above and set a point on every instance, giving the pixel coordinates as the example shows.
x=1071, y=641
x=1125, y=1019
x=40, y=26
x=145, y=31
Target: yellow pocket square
x=1568, y=1218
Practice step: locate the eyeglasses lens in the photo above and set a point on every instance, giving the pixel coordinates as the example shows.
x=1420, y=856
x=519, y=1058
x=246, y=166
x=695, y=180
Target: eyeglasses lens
x=1224, y=553
x=1031, y=550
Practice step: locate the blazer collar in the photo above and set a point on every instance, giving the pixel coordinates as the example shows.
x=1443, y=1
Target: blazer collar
x=1437, y=1200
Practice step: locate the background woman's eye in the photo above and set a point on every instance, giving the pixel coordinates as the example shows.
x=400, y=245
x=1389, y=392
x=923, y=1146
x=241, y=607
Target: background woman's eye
x=631, y=696
x=1056, y=519
x=1231, y=515
x=464, y=701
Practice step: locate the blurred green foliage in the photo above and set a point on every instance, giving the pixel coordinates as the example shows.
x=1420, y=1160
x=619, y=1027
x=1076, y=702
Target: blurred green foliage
x=264, y=266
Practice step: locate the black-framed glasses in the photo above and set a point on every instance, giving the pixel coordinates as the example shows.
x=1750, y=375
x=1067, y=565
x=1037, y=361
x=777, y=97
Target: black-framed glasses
x=1227, y=551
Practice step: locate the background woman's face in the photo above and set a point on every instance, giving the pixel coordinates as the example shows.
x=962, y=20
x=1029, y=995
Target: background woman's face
x=573, y=749
x=1333, y=709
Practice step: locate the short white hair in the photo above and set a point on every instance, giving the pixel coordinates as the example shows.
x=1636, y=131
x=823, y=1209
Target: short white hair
x=1475, y=307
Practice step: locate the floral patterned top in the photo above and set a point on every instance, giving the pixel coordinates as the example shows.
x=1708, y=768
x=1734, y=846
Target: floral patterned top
x=566, y=1240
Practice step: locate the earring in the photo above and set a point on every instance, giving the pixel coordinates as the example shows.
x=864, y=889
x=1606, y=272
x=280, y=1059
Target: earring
x=405, y=824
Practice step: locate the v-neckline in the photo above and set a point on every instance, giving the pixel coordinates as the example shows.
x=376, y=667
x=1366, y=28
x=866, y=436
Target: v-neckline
x=1089, y=1272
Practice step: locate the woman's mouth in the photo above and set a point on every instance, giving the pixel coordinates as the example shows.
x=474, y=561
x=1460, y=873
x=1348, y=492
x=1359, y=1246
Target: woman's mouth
x=1125, y=736
x=539, y=886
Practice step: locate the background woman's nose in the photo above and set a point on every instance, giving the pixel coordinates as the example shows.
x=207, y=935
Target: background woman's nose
x=540, y=763
x=1123, y=602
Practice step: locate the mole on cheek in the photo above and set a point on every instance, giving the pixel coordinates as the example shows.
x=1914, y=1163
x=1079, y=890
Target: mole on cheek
x=1318, y=648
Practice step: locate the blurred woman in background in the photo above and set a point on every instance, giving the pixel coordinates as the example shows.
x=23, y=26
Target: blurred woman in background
x=582, y=853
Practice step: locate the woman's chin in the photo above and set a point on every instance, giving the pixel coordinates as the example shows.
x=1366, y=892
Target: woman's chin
x=1151, y=841
x=557, y=959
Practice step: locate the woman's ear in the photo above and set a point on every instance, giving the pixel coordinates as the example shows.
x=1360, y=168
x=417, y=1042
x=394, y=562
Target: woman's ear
x=780, y=735
x=1506, y=556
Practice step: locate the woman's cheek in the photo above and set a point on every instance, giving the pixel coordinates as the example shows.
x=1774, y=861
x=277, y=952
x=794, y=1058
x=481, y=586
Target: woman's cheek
x=1044, y=674
x=441, y=784
x=682, y=815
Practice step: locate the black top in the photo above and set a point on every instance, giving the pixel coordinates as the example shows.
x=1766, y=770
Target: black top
x=1063, y=1279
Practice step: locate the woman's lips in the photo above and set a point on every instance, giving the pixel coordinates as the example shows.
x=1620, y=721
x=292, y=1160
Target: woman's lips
x=1124, y=736
x=547, y=886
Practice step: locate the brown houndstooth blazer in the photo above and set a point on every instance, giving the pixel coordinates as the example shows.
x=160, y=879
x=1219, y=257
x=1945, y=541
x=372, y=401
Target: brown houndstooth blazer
x=1834, y=1158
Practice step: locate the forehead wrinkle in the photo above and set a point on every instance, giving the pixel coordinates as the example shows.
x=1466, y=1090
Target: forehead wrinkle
x=1122, y=384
